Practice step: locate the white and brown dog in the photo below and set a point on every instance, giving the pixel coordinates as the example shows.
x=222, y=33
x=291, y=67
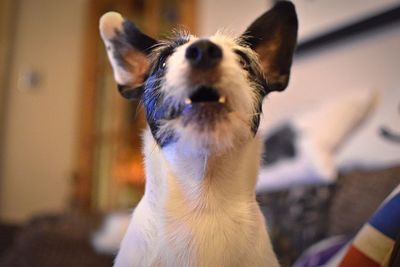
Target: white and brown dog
x=203, y=99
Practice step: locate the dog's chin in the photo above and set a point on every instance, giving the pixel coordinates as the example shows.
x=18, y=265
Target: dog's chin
x=211, y=128
x=205, y=108
x=207, y=122
x=204, y=117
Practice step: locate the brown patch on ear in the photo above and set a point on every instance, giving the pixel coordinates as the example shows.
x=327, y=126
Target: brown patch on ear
x=128, y=52
x=269, y=60
x=138, y=65
x=273, y=36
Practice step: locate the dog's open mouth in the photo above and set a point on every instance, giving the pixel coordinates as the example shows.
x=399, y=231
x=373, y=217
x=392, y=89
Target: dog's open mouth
x=205, y=94
x=205, y=106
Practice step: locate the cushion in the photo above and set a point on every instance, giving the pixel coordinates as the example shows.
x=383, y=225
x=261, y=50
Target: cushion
x=373, y=244
x=377, y=142
x=301, y=150
x=347, y=213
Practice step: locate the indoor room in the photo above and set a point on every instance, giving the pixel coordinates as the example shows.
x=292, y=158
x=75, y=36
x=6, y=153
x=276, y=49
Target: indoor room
x=80, y=145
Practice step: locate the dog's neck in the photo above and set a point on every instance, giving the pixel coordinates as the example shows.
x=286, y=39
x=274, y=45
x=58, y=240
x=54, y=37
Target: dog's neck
x=198, y=180
x=193, y=202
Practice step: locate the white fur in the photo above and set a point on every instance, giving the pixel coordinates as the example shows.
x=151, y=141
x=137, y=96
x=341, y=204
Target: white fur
x=198, y=210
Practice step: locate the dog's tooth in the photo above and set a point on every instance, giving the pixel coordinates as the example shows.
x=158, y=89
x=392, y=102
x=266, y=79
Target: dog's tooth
x=188, y=101
x=222, y=99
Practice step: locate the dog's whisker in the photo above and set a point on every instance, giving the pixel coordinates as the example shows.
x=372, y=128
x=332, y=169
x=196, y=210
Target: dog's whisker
x=254, y=114
x=205, y=163
x=243, y=120
x=138, y=112
x=161, y=79
x=153, y=149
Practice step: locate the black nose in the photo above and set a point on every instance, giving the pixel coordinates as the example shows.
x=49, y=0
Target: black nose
x=203, y=54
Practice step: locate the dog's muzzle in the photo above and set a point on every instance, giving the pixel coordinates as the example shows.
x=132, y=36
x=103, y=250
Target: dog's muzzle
x=205, y=104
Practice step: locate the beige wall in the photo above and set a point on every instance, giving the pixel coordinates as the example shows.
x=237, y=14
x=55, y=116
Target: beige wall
x=7, y=8
x=232, y=15
x=370, y=61
x=40, y=131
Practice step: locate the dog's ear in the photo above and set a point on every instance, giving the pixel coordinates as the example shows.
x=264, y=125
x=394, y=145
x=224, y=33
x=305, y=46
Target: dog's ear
x=128, y=50
x=273, y=36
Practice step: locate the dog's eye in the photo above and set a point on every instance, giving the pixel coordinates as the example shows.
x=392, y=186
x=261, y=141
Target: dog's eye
x=160, y=65
x=244, y=60
x=162, y=59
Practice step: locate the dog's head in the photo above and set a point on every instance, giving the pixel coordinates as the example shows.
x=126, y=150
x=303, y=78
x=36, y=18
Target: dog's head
x=204, y=93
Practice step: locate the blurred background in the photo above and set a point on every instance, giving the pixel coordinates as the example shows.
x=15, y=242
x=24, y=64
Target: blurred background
x=70, y=146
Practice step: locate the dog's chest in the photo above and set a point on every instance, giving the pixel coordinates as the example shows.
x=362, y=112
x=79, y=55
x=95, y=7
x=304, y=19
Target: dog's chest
x=210, y=238
x=192, y=221
x=205, y=221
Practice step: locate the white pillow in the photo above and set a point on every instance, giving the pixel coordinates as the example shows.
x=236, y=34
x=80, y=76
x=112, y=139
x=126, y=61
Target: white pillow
x=314, y=136
x=367, y=148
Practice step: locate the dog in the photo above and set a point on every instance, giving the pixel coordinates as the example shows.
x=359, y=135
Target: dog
x=203, y=101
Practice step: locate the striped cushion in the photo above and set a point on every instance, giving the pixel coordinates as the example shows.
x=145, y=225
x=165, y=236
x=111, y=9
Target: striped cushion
x=373, y=243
